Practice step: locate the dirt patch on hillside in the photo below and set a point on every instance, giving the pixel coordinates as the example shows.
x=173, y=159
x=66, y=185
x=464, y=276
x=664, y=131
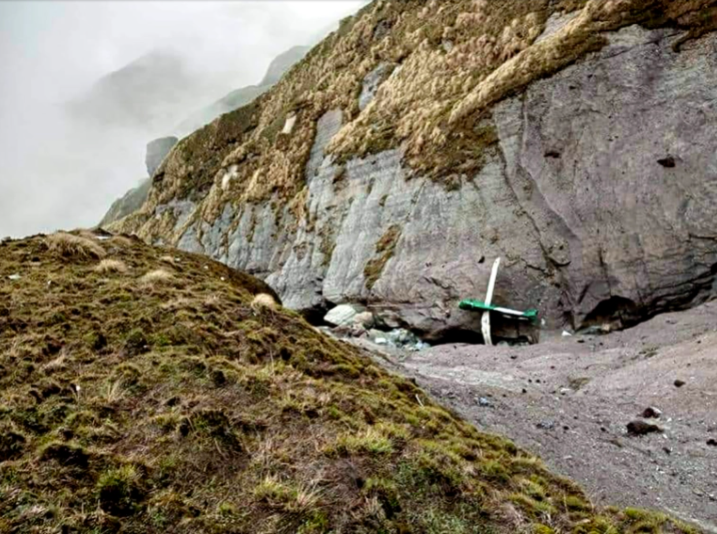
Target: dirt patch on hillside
x=569, y=400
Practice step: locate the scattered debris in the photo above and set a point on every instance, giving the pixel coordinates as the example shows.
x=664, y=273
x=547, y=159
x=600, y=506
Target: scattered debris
x=577, y=383
x=597, y=330
x=567, y=334
x=668, y=162
x=641, y=428
x=546, y=425
x=14, y=277
x=487, y=307
x=649, y=352
x=485, y=403
x=651, y=413
x=399, y=338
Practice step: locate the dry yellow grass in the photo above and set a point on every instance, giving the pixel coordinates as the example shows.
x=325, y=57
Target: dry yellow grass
x=169, y=259
x=158, y=276
x=74, y=246
x=264, y=300
x=121, y=241
x=107, y=266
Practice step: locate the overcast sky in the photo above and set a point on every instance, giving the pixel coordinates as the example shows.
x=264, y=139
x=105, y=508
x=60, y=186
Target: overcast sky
x=55, y=173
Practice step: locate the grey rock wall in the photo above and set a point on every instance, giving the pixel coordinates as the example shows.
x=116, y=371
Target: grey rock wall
x=157, y=150
x=601, y=197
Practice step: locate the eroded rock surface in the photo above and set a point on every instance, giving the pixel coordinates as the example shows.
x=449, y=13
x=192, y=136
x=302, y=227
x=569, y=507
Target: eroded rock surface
x=600, y=195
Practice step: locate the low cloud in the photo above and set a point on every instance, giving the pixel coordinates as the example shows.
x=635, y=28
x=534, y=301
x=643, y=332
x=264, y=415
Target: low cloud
x=58, y=170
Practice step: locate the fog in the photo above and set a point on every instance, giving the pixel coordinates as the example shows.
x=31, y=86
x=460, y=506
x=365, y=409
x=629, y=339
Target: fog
x=65, y=153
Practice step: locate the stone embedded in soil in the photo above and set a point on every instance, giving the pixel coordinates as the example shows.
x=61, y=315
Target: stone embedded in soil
x=546, y=425
x=651, y=413
x=641, y=428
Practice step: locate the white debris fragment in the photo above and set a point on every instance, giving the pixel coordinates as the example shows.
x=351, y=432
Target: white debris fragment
x=230, y=175
x=14, y=277
x=289, y=124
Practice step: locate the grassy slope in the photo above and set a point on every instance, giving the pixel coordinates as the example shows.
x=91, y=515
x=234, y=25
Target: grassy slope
x=144, y=390
x=457, y=59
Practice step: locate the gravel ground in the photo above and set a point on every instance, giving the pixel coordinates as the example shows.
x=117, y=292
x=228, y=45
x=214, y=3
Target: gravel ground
x=569, y=400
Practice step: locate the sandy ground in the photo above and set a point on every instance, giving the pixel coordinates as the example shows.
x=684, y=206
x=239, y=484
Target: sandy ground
x=569, y=400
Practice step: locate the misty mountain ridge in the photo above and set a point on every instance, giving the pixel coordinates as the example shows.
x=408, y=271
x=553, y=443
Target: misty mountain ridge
x=135, y=197
x=243, y=96
x=147, y=93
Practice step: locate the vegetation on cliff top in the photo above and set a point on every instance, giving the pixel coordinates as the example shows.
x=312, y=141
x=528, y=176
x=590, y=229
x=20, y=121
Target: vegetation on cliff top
x=456, y=59
x=149, y=390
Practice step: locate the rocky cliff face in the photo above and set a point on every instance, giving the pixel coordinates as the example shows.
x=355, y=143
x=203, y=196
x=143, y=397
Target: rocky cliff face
x=573, y=139
x=157, y=150
x=133, y=200
x=129, y=203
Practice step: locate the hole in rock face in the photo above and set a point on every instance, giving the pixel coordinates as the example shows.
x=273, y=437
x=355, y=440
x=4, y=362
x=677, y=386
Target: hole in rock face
x=315, y=315
x=504, y=331
x=618, y=312
x=668, y=162
x=554, y=154
x=458, y=337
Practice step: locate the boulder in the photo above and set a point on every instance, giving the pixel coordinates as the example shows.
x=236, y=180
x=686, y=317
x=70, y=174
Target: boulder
x=343, y=315
x=641, y=428
x=365, y=319
x=652, y=413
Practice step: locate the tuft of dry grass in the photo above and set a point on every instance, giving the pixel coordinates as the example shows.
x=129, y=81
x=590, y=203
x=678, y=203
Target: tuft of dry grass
x=114, y=391
x=58, y=364
x=121, y=240
x=264, y=301
x=108, y=266
x=158, y=276
x=169, y=259
x=75, y=246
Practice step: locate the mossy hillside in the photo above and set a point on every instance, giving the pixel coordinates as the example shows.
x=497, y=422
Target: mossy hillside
x=456, y=59
x=148, y=390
